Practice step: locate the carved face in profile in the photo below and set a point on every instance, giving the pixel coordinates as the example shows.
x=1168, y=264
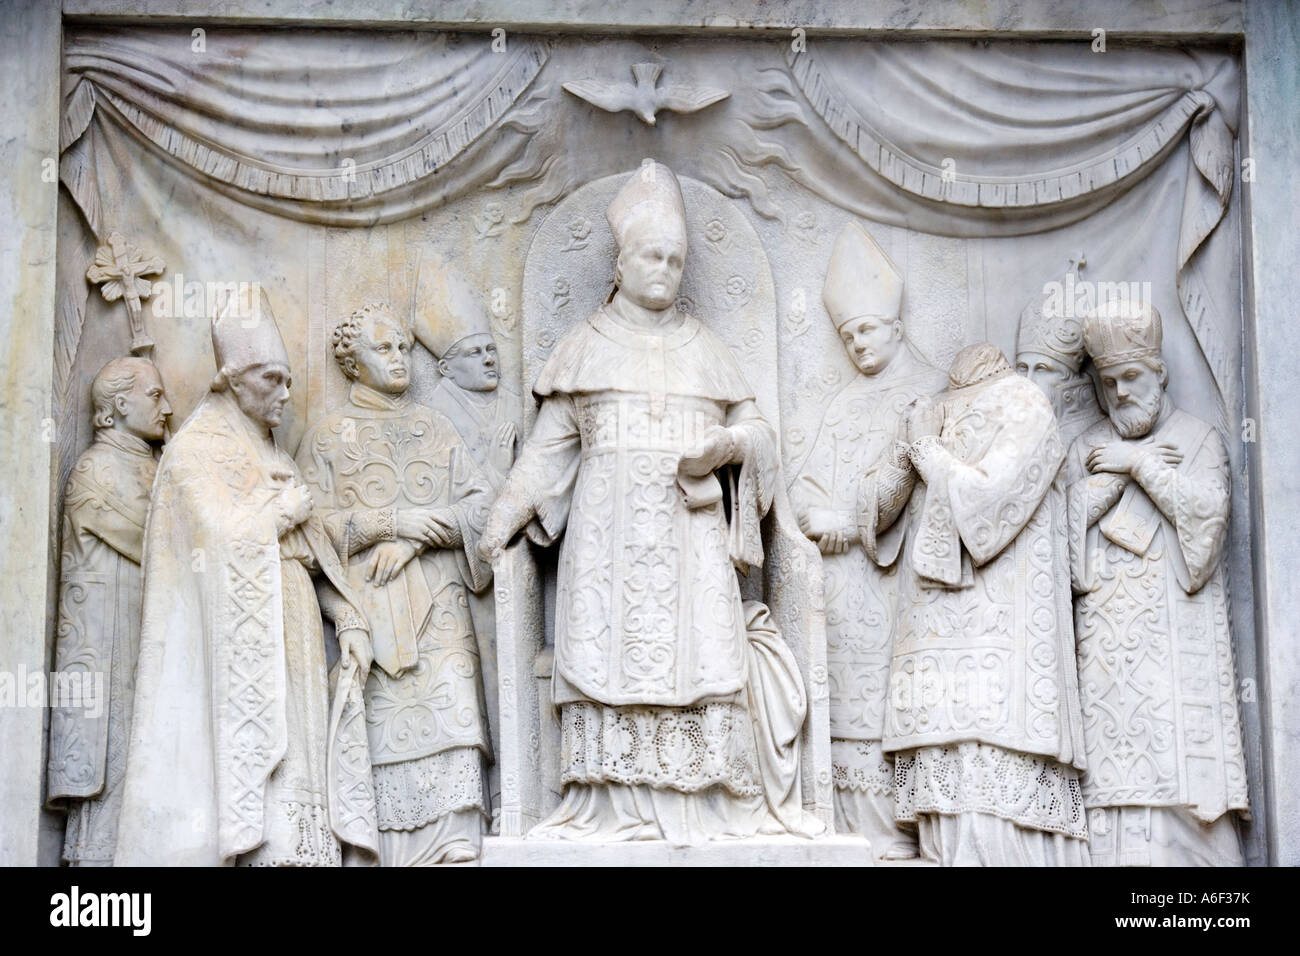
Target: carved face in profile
x=871, y=341
x=1049, y=374
x=142, y=409
x=650, y=268
x=1133, y=393
x=472, y=363
x=262, y=391
x=381, y=357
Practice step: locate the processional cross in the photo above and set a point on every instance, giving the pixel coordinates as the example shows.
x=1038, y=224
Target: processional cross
x=119, y=270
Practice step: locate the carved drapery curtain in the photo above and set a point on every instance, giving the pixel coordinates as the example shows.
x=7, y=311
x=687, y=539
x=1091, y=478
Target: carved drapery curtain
x=970, y=139
x=973, y=140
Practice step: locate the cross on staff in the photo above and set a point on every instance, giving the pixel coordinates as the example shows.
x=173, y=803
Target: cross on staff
x=119, y=271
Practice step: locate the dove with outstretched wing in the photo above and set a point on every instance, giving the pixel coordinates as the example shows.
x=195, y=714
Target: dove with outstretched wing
x=645, y=98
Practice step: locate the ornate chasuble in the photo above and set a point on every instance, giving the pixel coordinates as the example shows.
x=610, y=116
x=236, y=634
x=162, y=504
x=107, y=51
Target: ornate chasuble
x=648, y=608
x=859, y=427
x=1151, y=619
x=984, y=645
x=377, y=455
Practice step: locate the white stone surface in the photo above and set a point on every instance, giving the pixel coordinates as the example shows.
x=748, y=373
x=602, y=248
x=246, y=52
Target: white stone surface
x=999, y=17
x=757, y=851
x=1272, y=247
x=965, y=289
x=29, y=46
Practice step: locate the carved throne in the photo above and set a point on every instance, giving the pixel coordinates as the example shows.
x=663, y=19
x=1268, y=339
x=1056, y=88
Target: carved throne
x=727, y=284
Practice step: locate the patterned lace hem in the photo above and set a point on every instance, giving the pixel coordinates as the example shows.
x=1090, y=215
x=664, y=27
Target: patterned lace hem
x=299, y=834
x=687, y=749
x=414, y=793
x=1029, y=790
x=861, y=766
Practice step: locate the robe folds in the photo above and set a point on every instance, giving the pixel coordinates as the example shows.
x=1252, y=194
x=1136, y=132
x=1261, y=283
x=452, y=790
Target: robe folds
x=983, y=704
x=98, y=637
x=425, y=717
x=656, y=656
x=856, y=439
x=230, y=739
x=477, y=417
x=1161, y=722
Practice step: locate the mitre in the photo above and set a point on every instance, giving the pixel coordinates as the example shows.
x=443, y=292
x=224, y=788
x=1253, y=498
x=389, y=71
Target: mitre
x=1122, y=331
x=650, y=200
x=861, y=279
x=244, y=332
x=1045, y=333
x=448, y=309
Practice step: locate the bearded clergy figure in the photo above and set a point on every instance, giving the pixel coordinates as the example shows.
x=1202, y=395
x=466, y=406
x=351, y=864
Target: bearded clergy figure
x=228, y=754
x=403, y=502
x=1149, y=491
x=863, y=295
x=1049, y=352
x=104, y=507
x=983, y=707
x=680, y=706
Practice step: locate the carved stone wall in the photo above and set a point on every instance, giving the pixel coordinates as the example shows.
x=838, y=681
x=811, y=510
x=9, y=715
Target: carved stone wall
x=778, y=149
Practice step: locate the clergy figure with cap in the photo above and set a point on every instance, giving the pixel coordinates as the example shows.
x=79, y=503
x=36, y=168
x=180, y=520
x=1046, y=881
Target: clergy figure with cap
x=982, y=709
x=680, y=705
x=1050, y=353
x=105, y=503
x=858, y=437
x=453, y=324
x=229, y=741
x=1149, y=489
x=403, y=503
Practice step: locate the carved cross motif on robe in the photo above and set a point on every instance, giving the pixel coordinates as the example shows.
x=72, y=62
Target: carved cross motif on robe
x=119, y=270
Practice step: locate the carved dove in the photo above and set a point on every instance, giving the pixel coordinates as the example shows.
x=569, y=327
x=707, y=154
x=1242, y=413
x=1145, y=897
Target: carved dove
x=644, y=98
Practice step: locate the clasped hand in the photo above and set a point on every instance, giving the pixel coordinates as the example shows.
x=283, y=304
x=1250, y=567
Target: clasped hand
x=433, y=527
x=1121, y=457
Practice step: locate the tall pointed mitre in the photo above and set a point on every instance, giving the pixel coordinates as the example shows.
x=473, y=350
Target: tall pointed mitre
x=1043, y=331
x=861, y=279
x=244, y=332
x=649, y=202
x=447, y=309
x=1122, y=331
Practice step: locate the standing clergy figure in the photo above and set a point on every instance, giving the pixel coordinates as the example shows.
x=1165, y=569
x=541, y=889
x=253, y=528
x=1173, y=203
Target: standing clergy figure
x=680, y=706
x=104, y=507
x=230, y=736
x=863, y=294
x=403, y=502
x=1049, y=352
x=1148, y=519
x=455, y=327
x=983, y=707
